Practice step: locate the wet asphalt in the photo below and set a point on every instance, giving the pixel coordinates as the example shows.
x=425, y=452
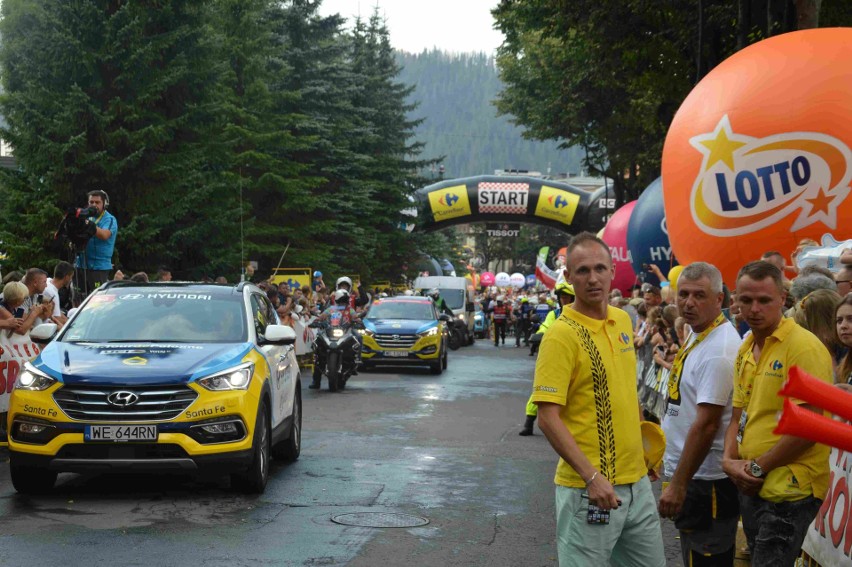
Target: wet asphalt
x=398, y=444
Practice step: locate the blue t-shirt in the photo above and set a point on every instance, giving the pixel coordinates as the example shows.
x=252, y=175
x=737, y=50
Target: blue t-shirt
x=99, y=252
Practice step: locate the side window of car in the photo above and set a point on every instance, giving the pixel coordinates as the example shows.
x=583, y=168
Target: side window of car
x=260, y=314
x=271, y=313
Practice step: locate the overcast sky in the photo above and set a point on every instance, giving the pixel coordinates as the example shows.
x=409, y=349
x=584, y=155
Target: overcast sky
x=450, y=25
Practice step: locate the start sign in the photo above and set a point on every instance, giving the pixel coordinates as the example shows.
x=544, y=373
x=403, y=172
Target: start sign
x=758, y=156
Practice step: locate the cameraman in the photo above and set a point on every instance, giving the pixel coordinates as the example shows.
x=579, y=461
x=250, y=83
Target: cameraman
x=96, y=260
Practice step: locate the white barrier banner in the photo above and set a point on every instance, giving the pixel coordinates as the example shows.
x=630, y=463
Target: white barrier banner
x=304, y=336
x=15, y=350
x=829, y=539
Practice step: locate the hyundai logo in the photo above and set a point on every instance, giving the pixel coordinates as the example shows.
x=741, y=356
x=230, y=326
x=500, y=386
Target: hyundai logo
x=396, y=337
x=123, y=398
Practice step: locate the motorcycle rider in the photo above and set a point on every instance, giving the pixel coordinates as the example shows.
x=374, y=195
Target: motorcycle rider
x=565, y=294
x=435, y=294
x=341, y=304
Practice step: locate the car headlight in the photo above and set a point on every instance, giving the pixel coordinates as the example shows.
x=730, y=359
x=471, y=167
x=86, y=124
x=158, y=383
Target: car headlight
x=33, y=380
x=365, y=332
x=461, y=316
x=237, y=378
x=429, y=333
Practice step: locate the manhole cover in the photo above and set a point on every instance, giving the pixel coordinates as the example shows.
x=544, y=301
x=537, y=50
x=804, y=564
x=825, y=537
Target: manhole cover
x=379, y=520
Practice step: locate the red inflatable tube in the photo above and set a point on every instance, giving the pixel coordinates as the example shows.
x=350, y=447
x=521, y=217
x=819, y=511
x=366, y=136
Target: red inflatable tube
x=803, y=386
x=814, y=427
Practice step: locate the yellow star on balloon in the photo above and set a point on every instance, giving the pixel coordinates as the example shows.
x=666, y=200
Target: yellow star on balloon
x=721, y=148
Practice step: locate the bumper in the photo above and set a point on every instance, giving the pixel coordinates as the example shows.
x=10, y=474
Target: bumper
x=425, y=350
x=186, y=443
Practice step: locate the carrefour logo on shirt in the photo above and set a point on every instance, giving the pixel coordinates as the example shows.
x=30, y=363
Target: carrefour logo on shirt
x=776, y=365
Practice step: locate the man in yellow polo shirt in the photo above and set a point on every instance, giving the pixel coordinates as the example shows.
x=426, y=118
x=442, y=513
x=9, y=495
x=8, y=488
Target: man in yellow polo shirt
x=585, y=388
x=781, y=479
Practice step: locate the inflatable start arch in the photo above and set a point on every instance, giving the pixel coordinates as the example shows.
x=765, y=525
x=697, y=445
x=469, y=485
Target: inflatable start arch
x=508, y=198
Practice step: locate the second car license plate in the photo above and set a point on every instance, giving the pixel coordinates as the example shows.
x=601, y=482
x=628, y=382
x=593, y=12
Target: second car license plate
x=120, y=433
x=396, y=353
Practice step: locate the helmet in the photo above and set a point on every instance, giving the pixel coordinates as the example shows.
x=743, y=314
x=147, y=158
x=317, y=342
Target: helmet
x=524, y=300
x=434, y=293
x=342, y=280
x=564, y=287
x=408, y=292
x=500, y=299
x=318, y=274
x=341, y=296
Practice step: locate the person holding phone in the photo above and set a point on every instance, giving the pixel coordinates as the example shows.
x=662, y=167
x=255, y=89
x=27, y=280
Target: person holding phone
x=13, y=315
x=588, y=408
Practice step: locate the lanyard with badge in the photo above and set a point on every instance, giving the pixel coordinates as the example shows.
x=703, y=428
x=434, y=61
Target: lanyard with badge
x=680, y=360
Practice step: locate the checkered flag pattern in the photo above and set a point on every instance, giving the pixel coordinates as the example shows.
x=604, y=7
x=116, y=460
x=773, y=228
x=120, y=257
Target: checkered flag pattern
x=504, y=198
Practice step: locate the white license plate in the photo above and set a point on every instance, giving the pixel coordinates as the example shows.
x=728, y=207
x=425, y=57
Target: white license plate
x=397, y=353
x=120, y=433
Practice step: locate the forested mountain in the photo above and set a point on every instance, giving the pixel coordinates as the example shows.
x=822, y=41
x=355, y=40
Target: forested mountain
x=454, y=93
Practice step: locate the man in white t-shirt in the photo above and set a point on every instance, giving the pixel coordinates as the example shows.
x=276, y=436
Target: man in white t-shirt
x=699, y=496
x=63, y=273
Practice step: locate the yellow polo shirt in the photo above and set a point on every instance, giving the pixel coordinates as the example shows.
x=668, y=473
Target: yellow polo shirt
x=588, y=367
x=756, y=388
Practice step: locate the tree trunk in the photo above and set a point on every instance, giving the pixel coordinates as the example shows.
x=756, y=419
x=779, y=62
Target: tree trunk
x=807, y=14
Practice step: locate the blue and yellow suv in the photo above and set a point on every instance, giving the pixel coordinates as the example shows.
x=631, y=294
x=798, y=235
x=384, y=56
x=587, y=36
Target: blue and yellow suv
x=159, y=377
x=405, y=330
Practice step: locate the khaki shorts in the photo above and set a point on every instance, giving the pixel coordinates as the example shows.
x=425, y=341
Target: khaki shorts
x=632, y=538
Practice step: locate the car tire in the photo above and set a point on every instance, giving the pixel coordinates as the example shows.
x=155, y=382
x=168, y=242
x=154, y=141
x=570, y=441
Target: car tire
x=444, y=360
x=289, y=449
x=253, y=481
x=31, y=480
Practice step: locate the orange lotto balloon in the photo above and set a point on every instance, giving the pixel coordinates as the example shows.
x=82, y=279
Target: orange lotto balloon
x=758, y=156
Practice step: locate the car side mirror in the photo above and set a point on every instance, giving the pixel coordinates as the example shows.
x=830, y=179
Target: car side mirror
x=279, y=335
x=444, y=317
x=43, y=333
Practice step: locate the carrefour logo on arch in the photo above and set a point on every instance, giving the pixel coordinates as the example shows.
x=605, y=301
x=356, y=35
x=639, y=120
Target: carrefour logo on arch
x=747, y=183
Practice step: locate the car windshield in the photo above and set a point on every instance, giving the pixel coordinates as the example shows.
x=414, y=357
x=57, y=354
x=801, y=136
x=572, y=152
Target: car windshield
x=401, y=310
x=453, y=297
x=161, y=315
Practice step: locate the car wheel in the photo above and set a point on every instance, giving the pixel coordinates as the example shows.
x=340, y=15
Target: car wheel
x=290, y=448
x=253, y=481
x=30, y=480
x=444, y=360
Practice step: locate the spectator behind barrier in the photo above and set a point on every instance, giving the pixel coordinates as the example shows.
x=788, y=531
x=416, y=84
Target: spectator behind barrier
x=815, y=312
x=13, y=315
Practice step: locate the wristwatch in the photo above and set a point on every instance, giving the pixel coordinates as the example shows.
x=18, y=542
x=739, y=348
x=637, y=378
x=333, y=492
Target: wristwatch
x=756, y=471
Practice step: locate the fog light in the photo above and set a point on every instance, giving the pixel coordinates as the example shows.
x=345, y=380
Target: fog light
x=31, y=428
x=220, y=428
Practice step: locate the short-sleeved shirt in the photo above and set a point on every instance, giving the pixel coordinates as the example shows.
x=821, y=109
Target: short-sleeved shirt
x=99, y=252
x=51, y=293
x=707, y=378
x=756, y=388
x=588, y=367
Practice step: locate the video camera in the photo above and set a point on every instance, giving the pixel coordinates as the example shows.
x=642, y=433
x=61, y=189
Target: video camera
x=76, y=227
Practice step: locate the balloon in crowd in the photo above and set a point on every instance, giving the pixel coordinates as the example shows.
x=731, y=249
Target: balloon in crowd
x=647, y=235
x=758, y=156
x=673, y=275
x=615, y=235
x=486, y=279
x=502, y=279
x=517, y=280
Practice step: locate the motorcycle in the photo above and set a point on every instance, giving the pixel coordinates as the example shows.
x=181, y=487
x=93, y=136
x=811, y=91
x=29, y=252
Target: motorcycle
x=457, y=332
x=337, y=350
